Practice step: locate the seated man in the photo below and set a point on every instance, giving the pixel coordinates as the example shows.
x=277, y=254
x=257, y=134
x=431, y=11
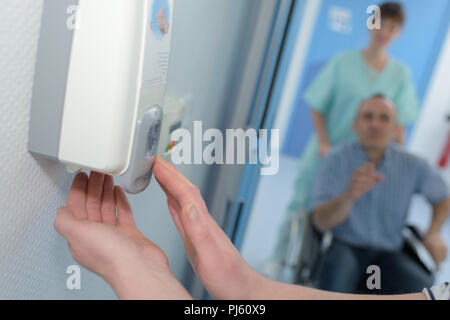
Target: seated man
x=363, y=193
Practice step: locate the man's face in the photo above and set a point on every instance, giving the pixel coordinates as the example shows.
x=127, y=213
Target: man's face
x=375, y=123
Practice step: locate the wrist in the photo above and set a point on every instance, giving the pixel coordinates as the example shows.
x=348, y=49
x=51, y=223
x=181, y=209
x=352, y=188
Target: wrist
x=434, y=229
x=139, y=281
x=324, y=143
x=262, y=289
x=126, y=279
x=432, y=232
x=348, y=198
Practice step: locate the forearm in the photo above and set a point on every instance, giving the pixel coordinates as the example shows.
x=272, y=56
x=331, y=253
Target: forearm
x=319, y=125
x=272, y=290
x=440, y=213
x=330, y=214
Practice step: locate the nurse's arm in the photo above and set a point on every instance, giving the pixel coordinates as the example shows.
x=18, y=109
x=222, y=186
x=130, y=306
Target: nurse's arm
x=217, y=263
x=321, y=130
x=273, y=290
x=400, y=135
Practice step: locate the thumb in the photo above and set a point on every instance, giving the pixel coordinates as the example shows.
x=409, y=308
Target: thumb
x=65, y=222
x=198, y=236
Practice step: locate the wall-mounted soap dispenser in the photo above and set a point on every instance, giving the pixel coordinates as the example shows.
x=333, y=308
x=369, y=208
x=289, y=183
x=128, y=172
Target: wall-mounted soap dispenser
x=99, y=85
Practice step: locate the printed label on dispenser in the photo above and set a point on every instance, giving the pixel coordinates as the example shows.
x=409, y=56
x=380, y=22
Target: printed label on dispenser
x=158, y=41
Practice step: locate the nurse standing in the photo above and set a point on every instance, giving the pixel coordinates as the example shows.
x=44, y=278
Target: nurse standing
x=334, y=98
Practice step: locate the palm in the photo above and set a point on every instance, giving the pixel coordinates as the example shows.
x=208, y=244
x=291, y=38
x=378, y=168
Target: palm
x=102, y=237
x=220, y=267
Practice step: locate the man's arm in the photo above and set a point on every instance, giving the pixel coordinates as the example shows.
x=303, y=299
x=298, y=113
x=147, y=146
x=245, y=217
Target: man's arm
x=334, y=212
x=440, y=214
x=433, y=187
x=433, y=240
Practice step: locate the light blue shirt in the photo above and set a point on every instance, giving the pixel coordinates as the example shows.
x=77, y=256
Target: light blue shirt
x=378, y=217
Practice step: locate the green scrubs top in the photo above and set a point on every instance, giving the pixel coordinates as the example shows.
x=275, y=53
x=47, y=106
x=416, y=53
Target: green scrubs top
x=337, y=92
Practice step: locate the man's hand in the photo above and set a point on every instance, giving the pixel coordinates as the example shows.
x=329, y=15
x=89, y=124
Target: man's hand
x=111, y=245
x=363, y=180
x=436, y=246
x=220, y=267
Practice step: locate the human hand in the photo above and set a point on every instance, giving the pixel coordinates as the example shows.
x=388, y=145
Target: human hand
x=324, y=148
x=363, y=180
x=217, y=263
x=110, y=245
x=436, y=246
x=161, y=20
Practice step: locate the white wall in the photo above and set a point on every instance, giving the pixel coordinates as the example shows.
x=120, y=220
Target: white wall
x=33, y=257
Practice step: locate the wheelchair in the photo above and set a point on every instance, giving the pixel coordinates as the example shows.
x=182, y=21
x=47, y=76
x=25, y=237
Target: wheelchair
x=308, y=248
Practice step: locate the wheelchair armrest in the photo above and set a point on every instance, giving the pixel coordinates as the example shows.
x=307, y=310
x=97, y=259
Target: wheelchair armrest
x=314, y=246
x=414, y=247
